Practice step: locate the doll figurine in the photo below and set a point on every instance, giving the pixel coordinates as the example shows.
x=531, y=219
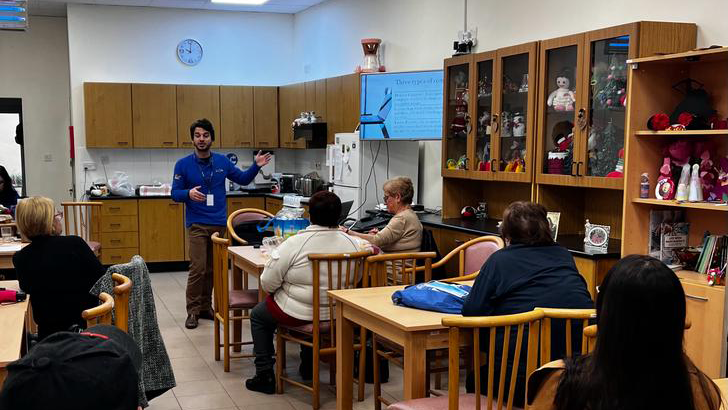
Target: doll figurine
x=519, y=125
x=695, y=193
x=682, y=185
x=665, y=188
x=506, y=124
x=562, y=99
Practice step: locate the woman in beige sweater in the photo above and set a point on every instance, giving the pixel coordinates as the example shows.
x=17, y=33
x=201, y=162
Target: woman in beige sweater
x=403, y=233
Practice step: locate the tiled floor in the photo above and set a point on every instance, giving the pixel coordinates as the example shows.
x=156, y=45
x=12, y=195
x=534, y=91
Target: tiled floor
x=201, y=382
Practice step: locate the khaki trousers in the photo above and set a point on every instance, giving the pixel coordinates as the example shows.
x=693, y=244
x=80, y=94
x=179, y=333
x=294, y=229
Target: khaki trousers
x=199, y=281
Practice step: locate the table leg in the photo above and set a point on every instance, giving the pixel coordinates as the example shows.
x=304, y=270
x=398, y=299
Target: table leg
x=414, y=366
x=237, y=325
x=344, y=360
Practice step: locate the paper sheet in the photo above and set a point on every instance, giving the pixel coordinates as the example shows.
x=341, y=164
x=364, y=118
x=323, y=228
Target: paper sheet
x=10, y=247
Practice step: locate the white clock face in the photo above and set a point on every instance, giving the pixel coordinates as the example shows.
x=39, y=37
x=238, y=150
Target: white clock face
x=189, y=51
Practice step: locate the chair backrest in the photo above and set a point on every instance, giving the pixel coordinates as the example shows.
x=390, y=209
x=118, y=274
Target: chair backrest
x=220, y=270
x=471, y=256
x=101, y=314
x=244, y=215
x=78, y=218
x=398, y=268
x=122, y=289
x=491, y=324
x=590, y=334
x=570, y=317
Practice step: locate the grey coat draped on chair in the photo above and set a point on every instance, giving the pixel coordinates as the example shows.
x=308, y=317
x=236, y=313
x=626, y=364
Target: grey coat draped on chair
x=155, y=376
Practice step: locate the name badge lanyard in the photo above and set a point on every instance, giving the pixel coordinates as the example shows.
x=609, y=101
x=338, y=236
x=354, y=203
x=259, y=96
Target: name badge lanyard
x=207, y=181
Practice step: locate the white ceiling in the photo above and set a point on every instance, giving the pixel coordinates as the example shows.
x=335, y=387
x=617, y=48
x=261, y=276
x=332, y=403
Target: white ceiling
x=58, y=7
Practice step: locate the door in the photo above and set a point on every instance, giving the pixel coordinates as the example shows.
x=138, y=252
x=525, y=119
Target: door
x=107, y=108
x=485, y=119
x=265, y=116
x=193, y=103
x=605, y=69
x=154, y=115
x=515, y=105
x=292, y=103
x=457, y=126
x=236, y=117
x=161, y=237
x=560, y=93
x=334, y=107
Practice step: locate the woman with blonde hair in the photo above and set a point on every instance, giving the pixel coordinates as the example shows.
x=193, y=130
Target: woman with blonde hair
x=403, y=233
x=57, y=271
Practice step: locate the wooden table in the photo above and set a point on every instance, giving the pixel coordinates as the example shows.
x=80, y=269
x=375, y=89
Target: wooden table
x=6, y=255
x=415, y=330
x=13, y=321
x=246, y=260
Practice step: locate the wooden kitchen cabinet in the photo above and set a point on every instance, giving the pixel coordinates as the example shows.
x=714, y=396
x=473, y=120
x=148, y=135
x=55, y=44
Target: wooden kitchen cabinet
x=193, y=103
x=342, y=104
x=593, y=271
x=292, y=101
x=236, y=117
x=161, y=237
x=705, y=339
x=107, y=108
x=154, y=115
x=234, y=203
x=119, y=230
x=265, y=117
x=449, y=240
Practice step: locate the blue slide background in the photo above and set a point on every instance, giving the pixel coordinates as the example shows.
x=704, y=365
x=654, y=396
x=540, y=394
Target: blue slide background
x=416, y=110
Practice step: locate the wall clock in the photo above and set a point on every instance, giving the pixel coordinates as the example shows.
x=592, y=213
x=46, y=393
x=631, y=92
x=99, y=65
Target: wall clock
x=189, y=52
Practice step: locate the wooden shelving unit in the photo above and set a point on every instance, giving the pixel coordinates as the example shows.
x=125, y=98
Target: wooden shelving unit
x=650, y=91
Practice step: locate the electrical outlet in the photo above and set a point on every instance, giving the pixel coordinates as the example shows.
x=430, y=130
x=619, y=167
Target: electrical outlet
x=317, y=165
x=105, y=159
x=89, y=166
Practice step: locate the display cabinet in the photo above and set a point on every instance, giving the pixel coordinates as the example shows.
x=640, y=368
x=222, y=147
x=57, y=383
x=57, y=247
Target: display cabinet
x=457, y=127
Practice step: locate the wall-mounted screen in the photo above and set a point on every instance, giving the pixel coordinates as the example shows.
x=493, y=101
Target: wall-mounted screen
x=401, y=106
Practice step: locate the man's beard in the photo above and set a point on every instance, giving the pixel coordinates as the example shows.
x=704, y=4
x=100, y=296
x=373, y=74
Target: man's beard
x=205, y=149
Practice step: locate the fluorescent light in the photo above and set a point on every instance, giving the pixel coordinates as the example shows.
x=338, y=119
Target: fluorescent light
x=241, y=2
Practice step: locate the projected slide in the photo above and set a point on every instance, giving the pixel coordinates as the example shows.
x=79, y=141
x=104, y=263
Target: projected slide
x=401, y=105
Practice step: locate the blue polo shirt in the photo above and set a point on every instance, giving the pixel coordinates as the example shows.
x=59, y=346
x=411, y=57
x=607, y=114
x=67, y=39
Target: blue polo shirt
x=210, y=175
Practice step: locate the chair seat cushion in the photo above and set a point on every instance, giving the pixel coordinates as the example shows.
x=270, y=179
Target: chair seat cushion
x=95, y=246
x=466, y=401
x=243, y=298
x=324, y=327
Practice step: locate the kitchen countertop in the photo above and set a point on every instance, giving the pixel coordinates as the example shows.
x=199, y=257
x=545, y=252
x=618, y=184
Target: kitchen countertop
x=231, y=194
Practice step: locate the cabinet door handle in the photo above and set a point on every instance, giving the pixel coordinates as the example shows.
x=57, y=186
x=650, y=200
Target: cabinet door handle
x=493, y=165
x=495, y=122
x=572, y=168
x=698, y=298
x=115, y=224
x=578, y=165
x=115, y=208
x=581, y=119
x=116, y=241
x=122, y=142
x=459, y=241
x=168, y=142
x=262, y=143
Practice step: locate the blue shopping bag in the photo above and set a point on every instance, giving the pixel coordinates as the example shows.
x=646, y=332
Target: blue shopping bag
x=433, y=295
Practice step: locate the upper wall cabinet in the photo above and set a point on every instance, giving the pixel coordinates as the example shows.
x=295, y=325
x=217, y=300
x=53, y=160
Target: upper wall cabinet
x=265, y=116
x=154, y=115
x=195, y=102
x=236, y=117
x=583, y=95
x=107, y=108
x=292, y=101
x=342, y=104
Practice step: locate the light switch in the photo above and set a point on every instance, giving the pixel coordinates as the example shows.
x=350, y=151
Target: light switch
x=48, y=157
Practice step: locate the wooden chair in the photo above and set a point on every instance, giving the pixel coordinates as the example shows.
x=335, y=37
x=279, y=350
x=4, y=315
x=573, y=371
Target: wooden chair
x=343, y=271
x=471, y=257
x=78, y=220
x=122, y=289
x=569, y=315
x=590, y=333
x=101, y=314
x=389, y=270
x=475, y=325
x=244, y=215
x=230, y=305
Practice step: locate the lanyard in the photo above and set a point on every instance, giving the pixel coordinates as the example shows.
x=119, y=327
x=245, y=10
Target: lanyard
x=206, y=180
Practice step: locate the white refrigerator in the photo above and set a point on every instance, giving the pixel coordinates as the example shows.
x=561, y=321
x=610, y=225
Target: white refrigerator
x=358, y=169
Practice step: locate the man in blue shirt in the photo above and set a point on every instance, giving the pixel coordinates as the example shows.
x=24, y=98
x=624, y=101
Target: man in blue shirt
x=199, y=182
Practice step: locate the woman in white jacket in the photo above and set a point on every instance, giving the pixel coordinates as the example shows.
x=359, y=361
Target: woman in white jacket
x=287, y=280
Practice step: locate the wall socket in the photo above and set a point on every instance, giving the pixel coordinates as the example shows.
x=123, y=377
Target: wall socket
x=89, y=166
x=317, y=165
x=104, y=159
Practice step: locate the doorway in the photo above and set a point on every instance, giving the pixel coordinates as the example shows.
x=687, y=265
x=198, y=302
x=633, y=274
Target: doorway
x=12, y=155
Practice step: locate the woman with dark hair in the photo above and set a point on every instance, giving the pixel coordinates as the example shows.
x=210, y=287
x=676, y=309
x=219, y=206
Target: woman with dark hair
x=8, y=194
x=531, y=271
x=639, y=361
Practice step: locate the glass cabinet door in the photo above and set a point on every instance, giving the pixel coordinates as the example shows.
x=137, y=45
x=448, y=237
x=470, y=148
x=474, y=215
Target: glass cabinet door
x=607, y=101
x=457, y=124
x=559, y=103
x=483, y=113
x=514, y=113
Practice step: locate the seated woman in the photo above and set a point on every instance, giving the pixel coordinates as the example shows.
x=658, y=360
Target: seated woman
x=287, y=279
x=403, y=233
x=639, y=361
x=531, y=271
x=8, y=194
x=56, y=271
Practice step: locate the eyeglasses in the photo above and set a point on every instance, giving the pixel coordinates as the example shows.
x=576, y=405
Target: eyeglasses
x=385, y=198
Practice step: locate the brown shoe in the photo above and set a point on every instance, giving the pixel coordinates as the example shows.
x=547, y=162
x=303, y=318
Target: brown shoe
x=207, y=314
x=191, y=321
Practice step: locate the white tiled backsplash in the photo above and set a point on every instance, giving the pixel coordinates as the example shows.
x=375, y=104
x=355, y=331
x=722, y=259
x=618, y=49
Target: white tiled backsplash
x=150, y=166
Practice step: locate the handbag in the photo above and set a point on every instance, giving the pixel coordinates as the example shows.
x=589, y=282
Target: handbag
x=433, y=295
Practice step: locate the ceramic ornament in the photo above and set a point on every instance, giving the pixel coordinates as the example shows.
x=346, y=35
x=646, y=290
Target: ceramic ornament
x=683, y=184
x=696, y=190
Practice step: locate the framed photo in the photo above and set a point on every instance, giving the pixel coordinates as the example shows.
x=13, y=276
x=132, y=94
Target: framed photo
x=553, y=218
x=596, y=237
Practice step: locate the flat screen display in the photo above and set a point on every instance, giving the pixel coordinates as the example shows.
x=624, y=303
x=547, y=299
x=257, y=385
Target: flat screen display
x=401, y=106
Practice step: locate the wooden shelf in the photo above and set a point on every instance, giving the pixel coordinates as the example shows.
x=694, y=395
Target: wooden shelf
x=673, y=203
x=713, y=54
x=684, y=133
x=696, y=278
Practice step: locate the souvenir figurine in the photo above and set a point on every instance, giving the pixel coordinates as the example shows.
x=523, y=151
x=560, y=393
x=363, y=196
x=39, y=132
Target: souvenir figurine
x=695, y=191
x=719, y=192
x=509, y=86
x=645, y=185
x=485, y=87
x=484, y=123
x=451, y=164
x=562, y=99
x=665, y=188
x=682, y=185
x=461, y=121
x=462, y=162
x=524, y=84
x=371, y=56
x=506, y=124
x=619, y=168
x=519, y=125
